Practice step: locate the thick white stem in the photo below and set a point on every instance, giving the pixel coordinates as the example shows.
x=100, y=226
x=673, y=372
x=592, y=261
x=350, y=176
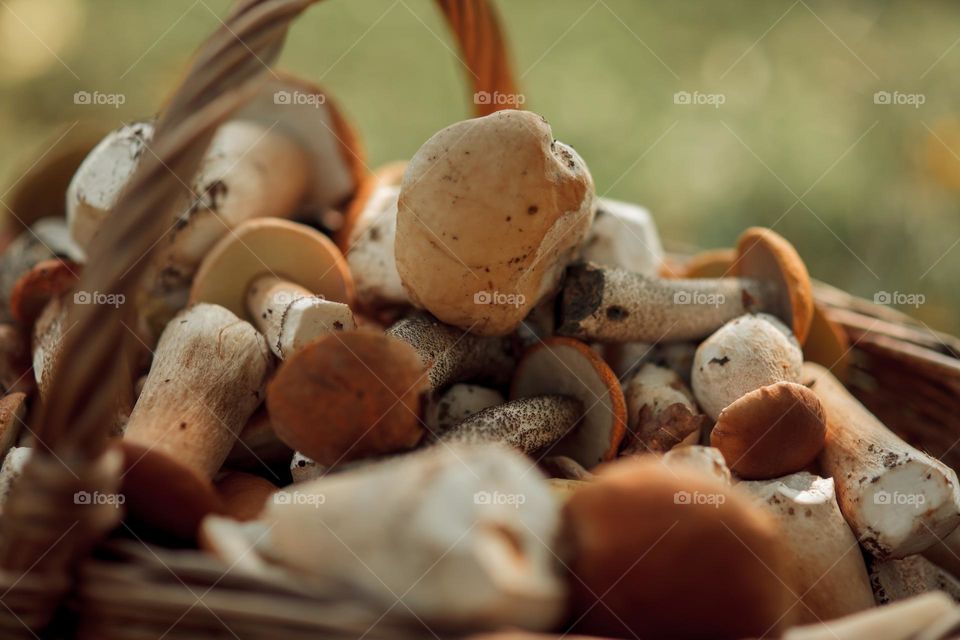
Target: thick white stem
x=899, y=579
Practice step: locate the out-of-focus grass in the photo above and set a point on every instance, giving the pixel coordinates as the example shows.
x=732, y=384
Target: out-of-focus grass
x=868, y=192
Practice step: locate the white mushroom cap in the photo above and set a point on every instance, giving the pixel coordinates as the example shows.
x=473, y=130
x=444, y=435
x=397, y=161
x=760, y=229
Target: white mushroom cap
x=371, y=250
x=491, y=210
x=745, y=354
x=459, y=402
x=624, y=236
x=303, y=468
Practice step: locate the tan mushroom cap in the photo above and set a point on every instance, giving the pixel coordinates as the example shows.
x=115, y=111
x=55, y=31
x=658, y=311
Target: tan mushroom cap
x=337, y=159
x=349, y=395
x=47, y=279
x=271, y=246
x=387, y=175
x=827, y=344
x=164, y=499
x=490, y=212
x=244, y=494
x=564, y=366
x=771, y=432
x=766, y=256
x=672, y=553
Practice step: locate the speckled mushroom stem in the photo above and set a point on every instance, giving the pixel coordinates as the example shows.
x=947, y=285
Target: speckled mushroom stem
x=452, y=355
x=527, y=424
x=207, y=378
x=827, y=569
x=290, y=316
x=900, y=579
x=897, y=500
x=613, y=305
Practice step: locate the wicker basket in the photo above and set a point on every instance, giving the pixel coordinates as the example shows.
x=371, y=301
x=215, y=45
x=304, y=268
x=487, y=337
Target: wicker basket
x=907, y=374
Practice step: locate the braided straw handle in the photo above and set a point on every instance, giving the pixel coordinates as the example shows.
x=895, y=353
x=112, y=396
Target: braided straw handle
x=42, y=529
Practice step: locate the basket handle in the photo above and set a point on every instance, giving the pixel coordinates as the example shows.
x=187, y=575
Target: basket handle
x=72, y=428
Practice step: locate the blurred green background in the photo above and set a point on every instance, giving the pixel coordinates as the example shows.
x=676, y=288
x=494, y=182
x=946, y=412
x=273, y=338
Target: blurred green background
x=868, y=192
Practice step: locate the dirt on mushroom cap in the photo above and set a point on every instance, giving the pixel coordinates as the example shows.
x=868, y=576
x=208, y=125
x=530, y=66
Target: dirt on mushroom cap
x=348, y=396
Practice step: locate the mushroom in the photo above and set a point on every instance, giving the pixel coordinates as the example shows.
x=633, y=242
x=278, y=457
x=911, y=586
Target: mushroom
x=458, y=403
x=897, y=500
x=452, y=355
x=287, y=149
x=647, y=543
x=704, y=459
x=712, y=263
x=623, y=236
x=13, y=413
x=826, y=564
x=614, y=305
x=366, y=389
x=367, y=239
x=244, y=495
x=491, y=210
x=931, y=616
x=827, y=344
x=287, y=278
x=207, y=377
x=527, y=424
x=258, y=446
x=11, y=470
x=902, y=578
x=303, y=468
x=449, y=512
x=46, y=342
x=745, y=354
x=771, y=432
x=661, y=412
x=559, y=367
x=34, y=289
x=565, y=468
x=15, y=360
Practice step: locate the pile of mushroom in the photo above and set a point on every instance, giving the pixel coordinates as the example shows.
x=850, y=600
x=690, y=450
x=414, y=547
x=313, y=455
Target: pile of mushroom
x=467, y=384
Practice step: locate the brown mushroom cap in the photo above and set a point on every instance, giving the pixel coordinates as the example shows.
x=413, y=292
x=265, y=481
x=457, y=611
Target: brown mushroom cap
x=827, y=344
x=491, y=210
x=389, y=174
x=47, y=279
x=766, y=256
x=271, y=246
x=244, y=494
x=349, y=395
x=672, y=553
x=712, y=263
x=165, y=501
x=564, y=366
x=771, y=432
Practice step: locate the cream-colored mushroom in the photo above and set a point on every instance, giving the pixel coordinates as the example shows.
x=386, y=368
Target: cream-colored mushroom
x=12, y=468
x=207, y=377
x=13, y=413
x=303, y=468
x=901, y=578
x=826, y=564
x=706, y=459
x=47, y=341
x=491, y=210
x=745, y=354
x=450, y=512
x=897, y=500
x=932, y=616
x=623, y=236
x=661, y=412
x=458, y=403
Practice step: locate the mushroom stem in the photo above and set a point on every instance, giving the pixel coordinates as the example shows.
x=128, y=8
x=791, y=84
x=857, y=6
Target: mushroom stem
x=452, y=355
x=290, y=316
x=894, y=580
x=207, y=378
x=907, y=620
x=827, y=566
x=613, y=305
x=528, y=424
x=706, y=459
x=897, y=500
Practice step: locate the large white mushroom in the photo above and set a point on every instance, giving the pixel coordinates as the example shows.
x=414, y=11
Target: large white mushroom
x=624, y=236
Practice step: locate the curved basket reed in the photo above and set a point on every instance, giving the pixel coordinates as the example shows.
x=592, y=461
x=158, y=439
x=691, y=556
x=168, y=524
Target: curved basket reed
x=908, y=375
